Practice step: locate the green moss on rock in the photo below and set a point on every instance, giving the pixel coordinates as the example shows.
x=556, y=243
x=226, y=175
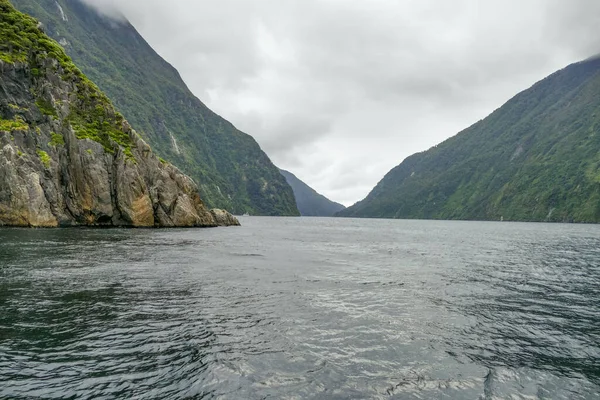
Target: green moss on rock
x=16, y=107
x=44, y=158
x=57, y=139
x=12, y=58
x=92, y=114
x=100, y=125
x=17, y=124
x=46, y=107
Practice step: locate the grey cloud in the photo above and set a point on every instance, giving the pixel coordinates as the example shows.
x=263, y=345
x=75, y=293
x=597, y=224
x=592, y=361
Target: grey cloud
x=109, y=8
x=339, y=92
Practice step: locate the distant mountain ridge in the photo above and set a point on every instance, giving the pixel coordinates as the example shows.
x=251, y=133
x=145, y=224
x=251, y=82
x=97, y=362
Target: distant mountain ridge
x=536, y=158
x=310, y=203
x=230, y=168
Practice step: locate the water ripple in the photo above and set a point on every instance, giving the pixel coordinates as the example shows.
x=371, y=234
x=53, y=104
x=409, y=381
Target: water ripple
x=294, y=308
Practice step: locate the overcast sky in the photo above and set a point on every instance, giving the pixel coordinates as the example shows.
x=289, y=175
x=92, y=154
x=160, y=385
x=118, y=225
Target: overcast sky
x=341, y=91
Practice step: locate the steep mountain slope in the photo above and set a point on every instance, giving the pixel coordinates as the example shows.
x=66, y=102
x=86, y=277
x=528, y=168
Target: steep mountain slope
x=537, y=158
x=66, y=156
x=231, y=169
x=310, y=203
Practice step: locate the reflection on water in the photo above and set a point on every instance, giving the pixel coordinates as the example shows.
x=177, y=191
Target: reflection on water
x=302, y=308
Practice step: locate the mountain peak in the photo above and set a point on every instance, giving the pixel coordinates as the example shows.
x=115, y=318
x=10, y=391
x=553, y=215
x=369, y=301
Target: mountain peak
x=310, y=203
x=533, y=159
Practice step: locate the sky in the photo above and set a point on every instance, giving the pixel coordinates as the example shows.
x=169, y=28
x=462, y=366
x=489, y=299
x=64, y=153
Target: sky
x=340, y=91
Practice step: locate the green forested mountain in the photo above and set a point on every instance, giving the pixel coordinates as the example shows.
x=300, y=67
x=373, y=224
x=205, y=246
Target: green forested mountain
x=537, y=158
x=310, y=203
x=228, y=165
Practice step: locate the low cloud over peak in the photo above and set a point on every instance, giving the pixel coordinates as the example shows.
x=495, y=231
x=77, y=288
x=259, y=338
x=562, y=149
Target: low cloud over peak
x=109, y=8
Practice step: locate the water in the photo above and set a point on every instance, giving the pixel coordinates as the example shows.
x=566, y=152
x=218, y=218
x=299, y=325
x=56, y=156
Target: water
x=302, y=308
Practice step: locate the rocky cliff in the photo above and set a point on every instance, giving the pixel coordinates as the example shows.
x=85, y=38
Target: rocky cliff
x=231, y=169
x=67, y=157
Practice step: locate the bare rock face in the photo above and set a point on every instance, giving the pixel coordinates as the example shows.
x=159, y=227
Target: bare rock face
x=22, y=197
x=224, y=218
x=60, y=167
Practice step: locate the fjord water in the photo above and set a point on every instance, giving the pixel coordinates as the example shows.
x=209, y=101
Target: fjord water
x=302, y=308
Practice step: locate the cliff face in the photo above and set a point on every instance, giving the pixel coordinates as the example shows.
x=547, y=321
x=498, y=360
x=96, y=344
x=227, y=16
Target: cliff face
x=231, y=169
x=66, y=156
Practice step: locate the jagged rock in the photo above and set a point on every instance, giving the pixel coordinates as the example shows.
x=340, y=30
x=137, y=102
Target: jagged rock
x=224, y=218
x=68, y=158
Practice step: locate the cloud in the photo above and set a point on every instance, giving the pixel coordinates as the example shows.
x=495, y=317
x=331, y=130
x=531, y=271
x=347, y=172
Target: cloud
x=340, y=91
x=109, y=8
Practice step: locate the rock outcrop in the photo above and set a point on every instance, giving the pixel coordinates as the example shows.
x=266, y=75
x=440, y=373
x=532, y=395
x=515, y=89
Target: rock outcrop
x=67, y=158
x=224, y=218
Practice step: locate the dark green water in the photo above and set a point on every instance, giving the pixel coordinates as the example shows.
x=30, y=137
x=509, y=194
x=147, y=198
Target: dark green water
x=302, y=308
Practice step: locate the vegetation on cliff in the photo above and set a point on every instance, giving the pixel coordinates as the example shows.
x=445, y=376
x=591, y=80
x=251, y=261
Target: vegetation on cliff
x=67, y=157
x=537, y=158
x=91, y=114
x=231, y=169
x=13, y=124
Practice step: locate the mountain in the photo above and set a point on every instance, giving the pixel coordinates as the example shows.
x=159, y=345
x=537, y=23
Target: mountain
x=310, y=203
x=229, y=166
x=537, y=158
x=67, y=157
